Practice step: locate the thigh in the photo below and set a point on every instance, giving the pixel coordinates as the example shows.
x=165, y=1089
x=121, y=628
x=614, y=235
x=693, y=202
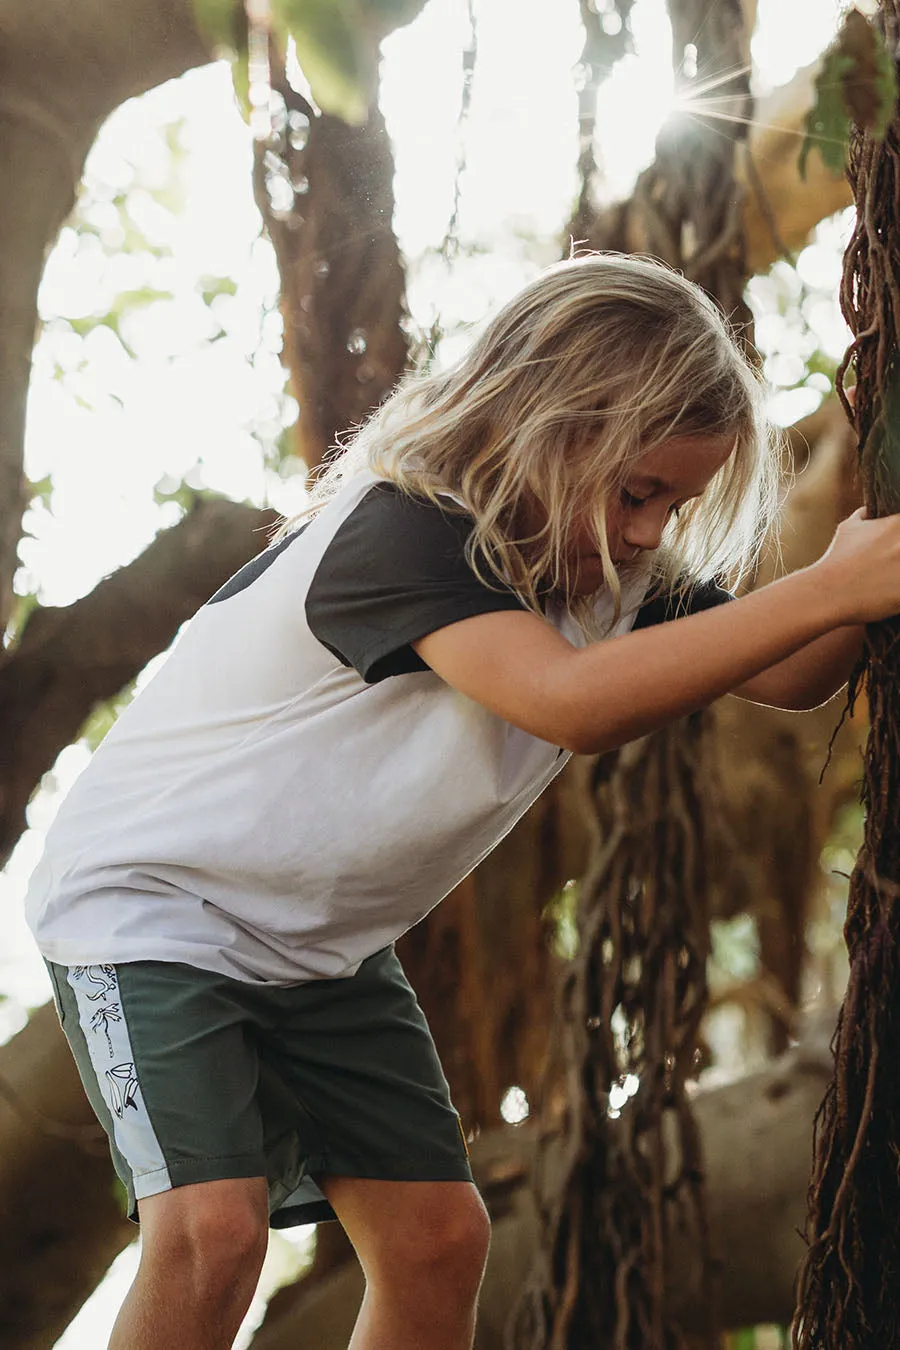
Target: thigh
x=361, y=1058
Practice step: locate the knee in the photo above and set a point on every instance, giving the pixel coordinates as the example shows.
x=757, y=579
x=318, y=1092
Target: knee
x=216, y=1248
x=452, y=1243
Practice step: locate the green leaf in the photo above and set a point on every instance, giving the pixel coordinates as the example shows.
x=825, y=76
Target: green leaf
x=41, y=489
x=140, y=298
x=857, y=83
x=211, y=286
x=240, y=78
x=827, y=123
x=337, y=53
x=220, y=22
x=166, y=490
x=126, y=302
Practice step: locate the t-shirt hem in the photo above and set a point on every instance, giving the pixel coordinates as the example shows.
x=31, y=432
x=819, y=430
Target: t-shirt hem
x=66, y=954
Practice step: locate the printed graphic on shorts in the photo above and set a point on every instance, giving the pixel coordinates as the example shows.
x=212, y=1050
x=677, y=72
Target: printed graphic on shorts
x=102, y=1019
x=100, y=979
x=123, y=1089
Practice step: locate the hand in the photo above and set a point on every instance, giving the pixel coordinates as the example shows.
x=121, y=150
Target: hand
x=862, y=566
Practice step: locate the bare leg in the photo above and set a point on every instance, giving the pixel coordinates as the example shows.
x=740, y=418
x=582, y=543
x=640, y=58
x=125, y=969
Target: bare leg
x=422, y=1246
x=202, y=1248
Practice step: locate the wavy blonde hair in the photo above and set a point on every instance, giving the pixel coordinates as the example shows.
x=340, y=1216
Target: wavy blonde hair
x=595, y=362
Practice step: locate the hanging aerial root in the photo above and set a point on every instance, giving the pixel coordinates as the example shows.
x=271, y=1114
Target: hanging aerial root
x=634, y=998
x=848, y=1288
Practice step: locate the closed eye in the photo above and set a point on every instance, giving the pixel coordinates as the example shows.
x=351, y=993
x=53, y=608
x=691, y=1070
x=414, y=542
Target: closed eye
x=631, y=499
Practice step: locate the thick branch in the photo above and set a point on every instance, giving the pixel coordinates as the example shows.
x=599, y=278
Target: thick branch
x=71, y=658
x=342, y=279
x=57, y=84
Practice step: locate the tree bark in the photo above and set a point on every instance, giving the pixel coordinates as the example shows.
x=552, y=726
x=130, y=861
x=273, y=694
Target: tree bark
x=342, y=278
x=756, y=1136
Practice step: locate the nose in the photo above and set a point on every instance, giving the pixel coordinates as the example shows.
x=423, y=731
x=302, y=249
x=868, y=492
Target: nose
x=645, y=530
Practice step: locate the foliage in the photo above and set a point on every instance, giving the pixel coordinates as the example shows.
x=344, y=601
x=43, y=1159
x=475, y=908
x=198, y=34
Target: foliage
x=856, y=83
x=336, y=43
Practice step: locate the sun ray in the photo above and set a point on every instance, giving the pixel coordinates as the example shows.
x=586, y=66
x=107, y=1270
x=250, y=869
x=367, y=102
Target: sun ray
x=701, y=87
x=712, y=114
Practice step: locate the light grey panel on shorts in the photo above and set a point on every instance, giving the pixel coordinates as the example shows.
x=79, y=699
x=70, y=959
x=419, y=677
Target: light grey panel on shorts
x=102, y=1020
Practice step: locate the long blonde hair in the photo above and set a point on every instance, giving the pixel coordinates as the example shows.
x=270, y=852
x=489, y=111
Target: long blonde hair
x=595, y=362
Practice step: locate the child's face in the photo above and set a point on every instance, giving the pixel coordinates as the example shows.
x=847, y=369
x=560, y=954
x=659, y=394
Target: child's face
x=659, y=483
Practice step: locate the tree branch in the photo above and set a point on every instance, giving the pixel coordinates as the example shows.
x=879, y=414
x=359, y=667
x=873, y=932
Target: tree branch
x=73, y=657
x=57, y=84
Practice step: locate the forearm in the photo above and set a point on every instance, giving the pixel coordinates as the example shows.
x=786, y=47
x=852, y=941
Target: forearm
x=597, y=698
x=621, y=689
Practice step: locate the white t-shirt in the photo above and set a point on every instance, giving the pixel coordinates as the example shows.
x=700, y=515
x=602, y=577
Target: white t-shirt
x=295, y=788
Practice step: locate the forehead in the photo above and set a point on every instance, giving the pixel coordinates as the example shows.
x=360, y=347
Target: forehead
x=682, y=465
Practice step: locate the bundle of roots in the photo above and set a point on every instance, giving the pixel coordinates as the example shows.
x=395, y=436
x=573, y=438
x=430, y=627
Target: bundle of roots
x=633, y=999
x=848, y=1292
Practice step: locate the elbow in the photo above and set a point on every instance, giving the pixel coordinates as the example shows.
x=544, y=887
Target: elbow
x=582, y=740
x=580, y=744
x=809, y=696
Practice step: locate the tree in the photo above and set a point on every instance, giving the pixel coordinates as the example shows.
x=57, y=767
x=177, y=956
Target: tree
x=492, y=1028
x=847, y=1288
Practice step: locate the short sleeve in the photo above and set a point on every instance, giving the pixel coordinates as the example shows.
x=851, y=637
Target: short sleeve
x=662, y=608
x=394, y=571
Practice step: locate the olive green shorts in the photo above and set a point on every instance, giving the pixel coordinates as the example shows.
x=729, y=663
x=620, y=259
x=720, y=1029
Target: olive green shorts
x=199, y=1077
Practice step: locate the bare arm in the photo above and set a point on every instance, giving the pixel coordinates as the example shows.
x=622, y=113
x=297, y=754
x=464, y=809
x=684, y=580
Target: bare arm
x=812, y=675
x=596, y=699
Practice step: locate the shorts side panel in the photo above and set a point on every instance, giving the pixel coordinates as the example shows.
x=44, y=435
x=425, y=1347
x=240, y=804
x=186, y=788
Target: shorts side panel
x=67, y=1009
x=104, y=1028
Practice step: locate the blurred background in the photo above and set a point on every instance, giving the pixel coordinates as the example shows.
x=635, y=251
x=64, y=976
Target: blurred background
x=222, y=290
